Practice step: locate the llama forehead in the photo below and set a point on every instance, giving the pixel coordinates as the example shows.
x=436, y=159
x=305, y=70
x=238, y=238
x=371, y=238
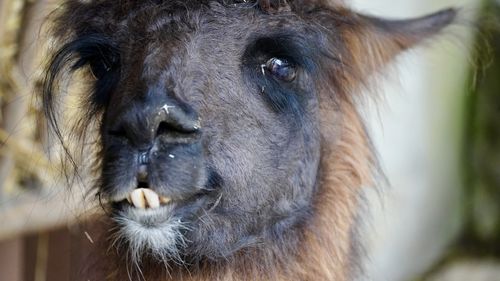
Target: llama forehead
x=169, y=24
x=167, y=38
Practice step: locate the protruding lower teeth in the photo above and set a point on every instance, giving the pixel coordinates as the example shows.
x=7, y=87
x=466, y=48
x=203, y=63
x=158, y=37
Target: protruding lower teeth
x=137, y=198
x=146, y=198
x=152, y=198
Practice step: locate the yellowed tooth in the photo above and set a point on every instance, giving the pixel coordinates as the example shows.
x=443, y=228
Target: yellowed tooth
x=137, y=197
x=152, y=198
x=165, y=200
x=129, y=200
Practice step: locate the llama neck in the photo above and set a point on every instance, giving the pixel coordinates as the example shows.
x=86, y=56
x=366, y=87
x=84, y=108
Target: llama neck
x=347, y=166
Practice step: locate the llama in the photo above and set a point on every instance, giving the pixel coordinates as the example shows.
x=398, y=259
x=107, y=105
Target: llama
x=229, y=141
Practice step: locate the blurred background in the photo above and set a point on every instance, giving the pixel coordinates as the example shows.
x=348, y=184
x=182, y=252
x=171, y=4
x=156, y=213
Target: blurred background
x=436, y=128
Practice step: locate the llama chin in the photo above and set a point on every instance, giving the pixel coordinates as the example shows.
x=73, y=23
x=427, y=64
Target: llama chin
x=155, y=232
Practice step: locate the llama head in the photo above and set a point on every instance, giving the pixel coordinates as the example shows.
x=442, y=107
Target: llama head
x=214, y=116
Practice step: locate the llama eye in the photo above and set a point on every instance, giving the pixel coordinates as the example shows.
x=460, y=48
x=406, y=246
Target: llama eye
x=280, y=68
x=99, y=68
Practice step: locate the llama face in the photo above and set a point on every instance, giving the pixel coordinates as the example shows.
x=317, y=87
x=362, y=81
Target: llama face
x=210, y=139
x=212, y=115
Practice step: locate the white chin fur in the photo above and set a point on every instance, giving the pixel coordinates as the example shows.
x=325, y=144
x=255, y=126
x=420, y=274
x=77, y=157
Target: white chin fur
x=154, y=232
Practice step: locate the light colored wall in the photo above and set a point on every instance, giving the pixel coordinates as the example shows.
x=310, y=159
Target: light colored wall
x=417, y=130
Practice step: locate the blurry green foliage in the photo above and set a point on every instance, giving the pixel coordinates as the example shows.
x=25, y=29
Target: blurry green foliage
x=481, y=233
x=479, y=238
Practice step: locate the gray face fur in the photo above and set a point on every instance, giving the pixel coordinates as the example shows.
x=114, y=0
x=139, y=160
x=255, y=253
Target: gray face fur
x=247, y=175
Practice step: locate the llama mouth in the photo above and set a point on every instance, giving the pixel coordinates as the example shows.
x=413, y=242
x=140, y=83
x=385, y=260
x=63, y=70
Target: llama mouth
x=146, y=205
x=149, y=206
x=143, y=202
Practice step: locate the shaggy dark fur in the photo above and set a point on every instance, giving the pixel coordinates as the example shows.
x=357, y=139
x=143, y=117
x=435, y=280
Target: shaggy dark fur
x=260, y=146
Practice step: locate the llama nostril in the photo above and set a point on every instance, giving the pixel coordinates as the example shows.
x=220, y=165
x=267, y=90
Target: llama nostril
x=168, y=128
x=177, y=120
x=155, y=118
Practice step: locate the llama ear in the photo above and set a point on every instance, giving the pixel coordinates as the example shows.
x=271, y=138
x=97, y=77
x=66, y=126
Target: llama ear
x=390, y=37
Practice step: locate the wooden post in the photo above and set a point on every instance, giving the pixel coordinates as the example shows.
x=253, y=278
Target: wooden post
x=11, y=260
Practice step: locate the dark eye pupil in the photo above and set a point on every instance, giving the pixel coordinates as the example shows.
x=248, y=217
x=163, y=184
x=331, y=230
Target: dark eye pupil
x=99, y=68
x=281, y=69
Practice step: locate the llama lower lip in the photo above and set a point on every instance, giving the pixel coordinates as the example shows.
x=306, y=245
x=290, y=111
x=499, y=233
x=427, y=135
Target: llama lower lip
x=151, y=217
x=148, y=218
